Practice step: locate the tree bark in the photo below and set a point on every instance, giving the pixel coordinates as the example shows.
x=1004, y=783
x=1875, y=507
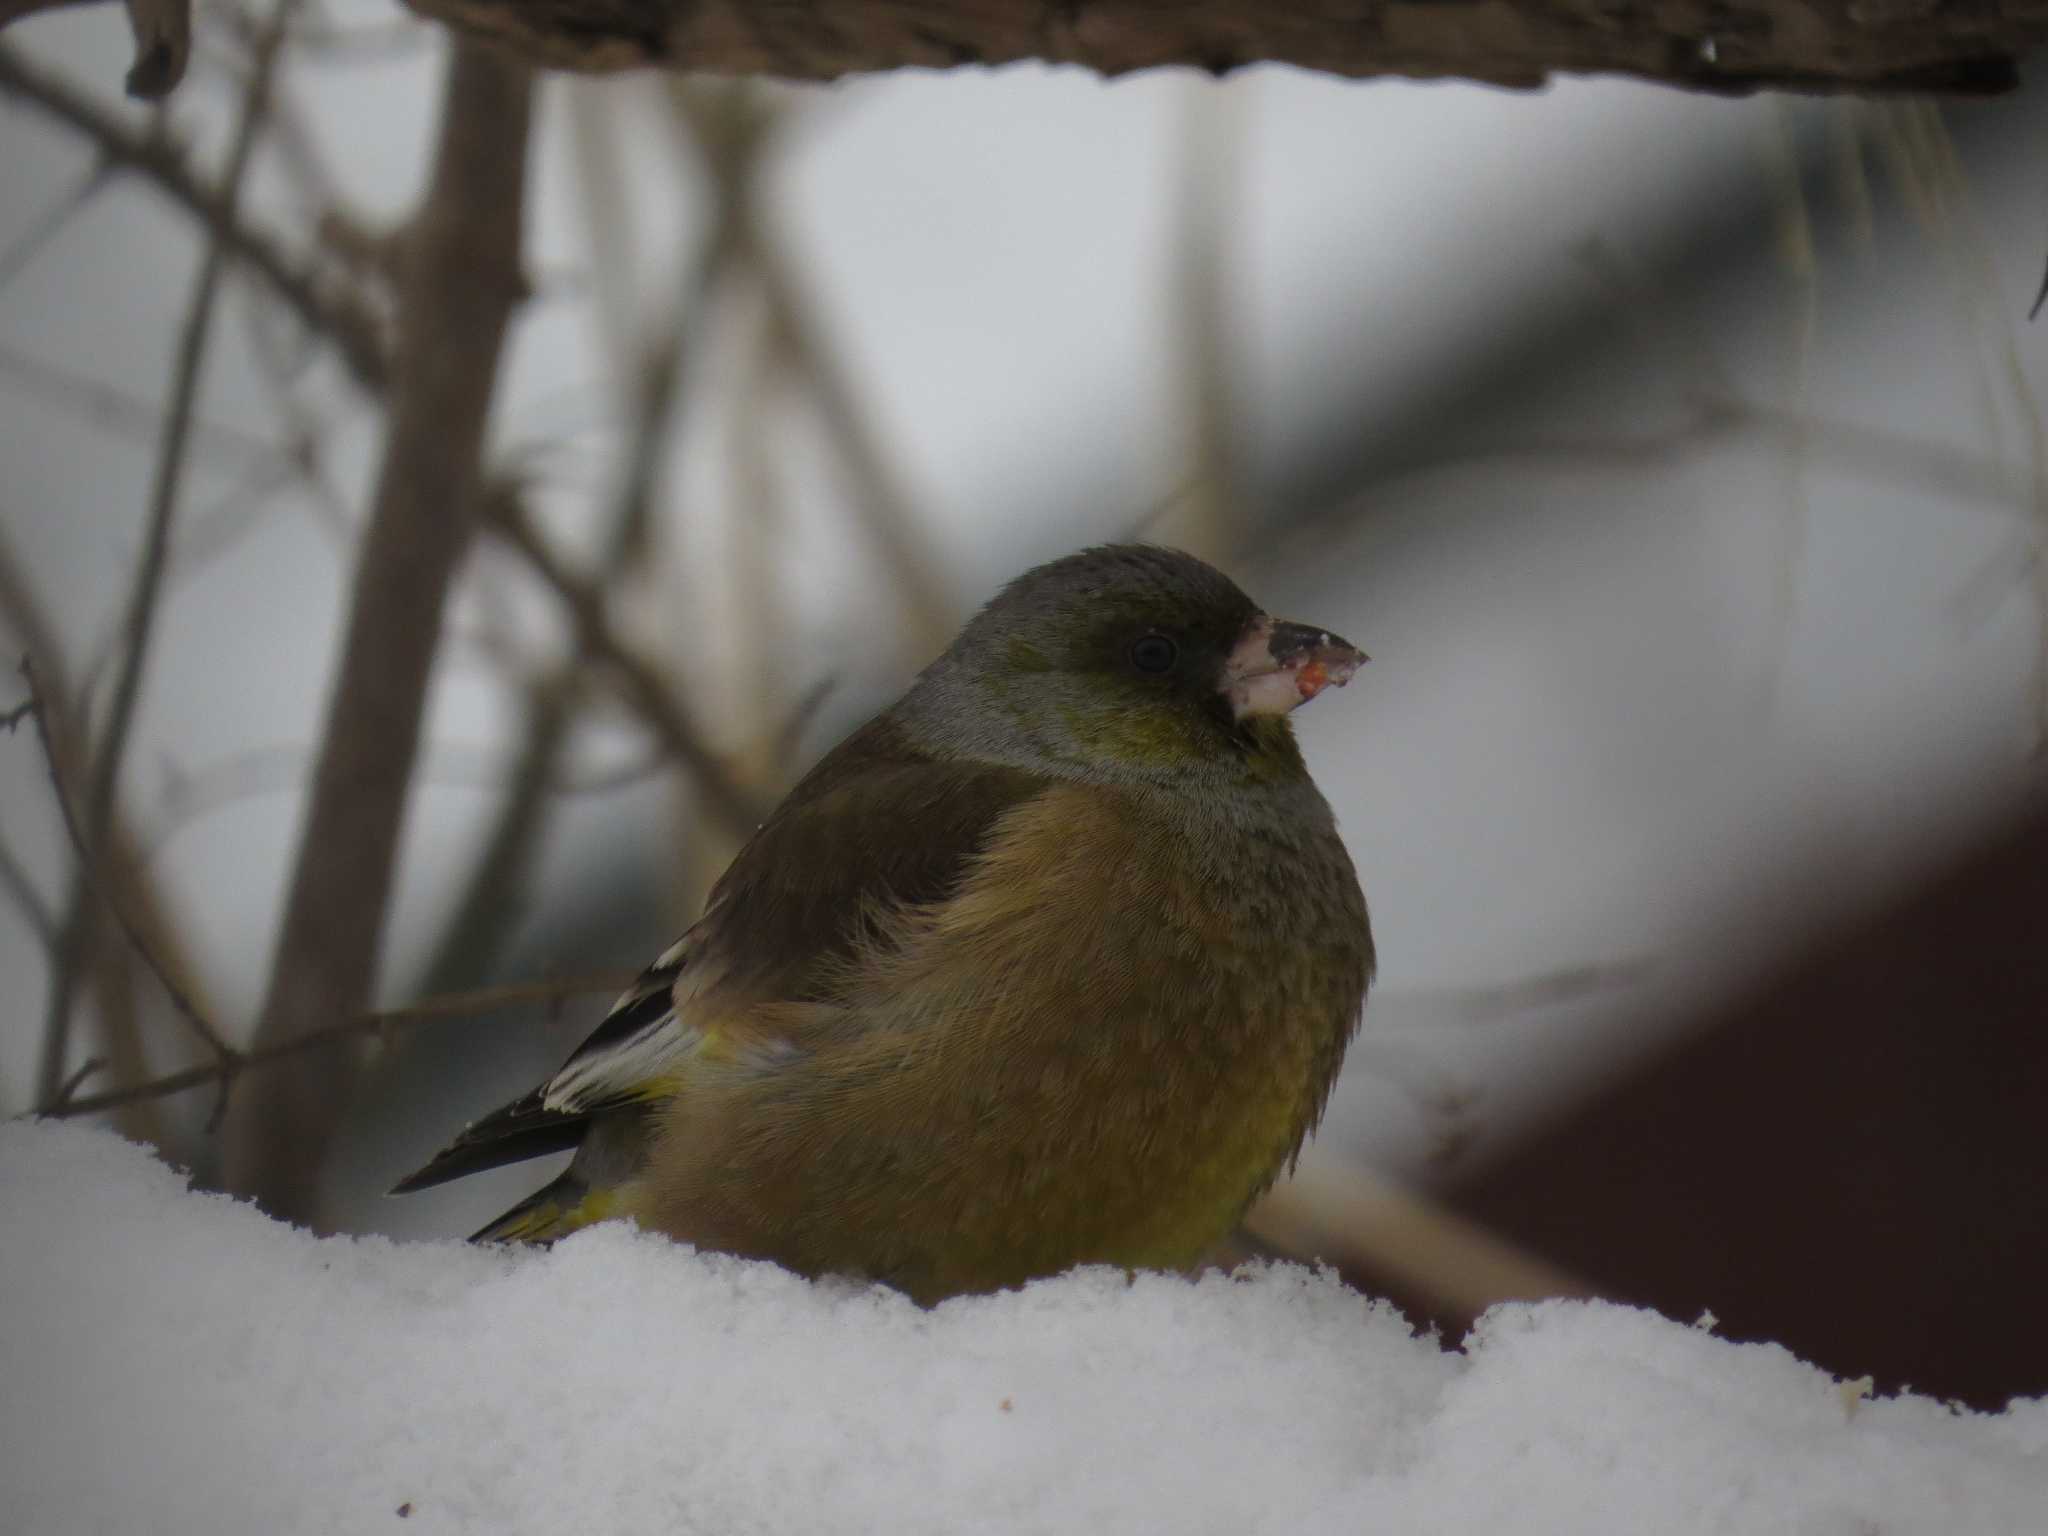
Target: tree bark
x=461, y=284
x=1714, y=45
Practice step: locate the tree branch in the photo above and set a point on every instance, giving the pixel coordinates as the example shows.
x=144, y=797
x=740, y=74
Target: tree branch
x=461, y=282
x=1384, y=1234
x=161, y=162
x=638, y=678
x=222, y=1073
x=93, y=871
x=1731, y=46
x=19, y=887
x=139, y=622
x=21, y=613
x=725, y=128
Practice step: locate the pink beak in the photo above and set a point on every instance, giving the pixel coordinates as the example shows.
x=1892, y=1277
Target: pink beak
x=1277, y=666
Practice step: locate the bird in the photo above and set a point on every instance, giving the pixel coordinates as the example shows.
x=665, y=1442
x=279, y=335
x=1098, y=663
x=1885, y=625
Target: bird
x=1053, y=962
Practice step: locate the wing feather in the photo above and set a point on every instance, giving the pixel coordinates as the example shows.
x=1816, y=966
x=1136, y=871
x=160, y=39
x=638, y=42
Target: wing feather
x=876, y=827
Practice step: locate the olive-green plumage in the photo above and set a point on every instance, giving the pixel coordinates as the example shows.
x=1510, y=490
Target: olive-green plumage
x=1053, y=962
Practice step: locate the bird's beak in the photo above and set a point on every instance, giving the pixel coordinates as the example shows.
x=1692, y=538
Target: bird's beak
x=1276, y=666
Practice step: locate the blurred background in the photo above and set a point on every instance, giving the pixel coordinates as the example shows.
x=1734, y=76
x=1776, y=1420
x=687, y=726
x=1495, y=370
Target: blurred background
x=1678, y=460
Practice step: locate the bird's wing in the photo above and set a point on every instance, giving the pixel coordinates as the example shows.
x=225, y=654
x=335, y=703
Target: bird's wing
x=637, y=1046
x=877, y=826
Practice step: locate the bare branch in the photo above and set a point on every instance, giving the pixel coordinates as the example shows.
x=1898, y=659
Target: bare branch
x=139, y=621
x=94, y=871
x=222, y=1074
x=111, y=408
x=1736, y=46
x=352, y=329
x=1353, y=1218
x=189, y=364
x=192, y=795
x=39, y=234
x=726, y=127
x=1435, y=1007
x=357, y=336
x=641, y=682
x=25, y=617
x=16, y=879
x=111, y=963
x=67, y=1089
x=462, y=281
x=1870, y=453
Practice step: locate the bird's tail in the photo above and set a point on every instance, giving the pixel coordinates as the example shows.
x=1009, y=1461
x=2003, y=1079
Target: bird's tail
x=555, y=1210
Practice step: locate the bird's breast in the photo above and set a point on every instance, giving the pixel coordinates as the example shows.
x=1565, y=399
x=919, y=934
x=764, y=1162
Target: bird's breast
x=1153, y=1006
x=1100, y=1049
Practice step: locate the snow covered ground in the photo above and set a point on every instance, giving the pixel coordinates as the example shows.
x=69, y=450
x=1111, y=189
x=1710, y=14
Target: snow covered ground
x=175, y=1362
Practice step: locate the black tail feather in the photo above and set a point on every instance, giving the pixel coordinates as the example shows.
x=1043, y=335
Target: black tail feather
x=523, y=1129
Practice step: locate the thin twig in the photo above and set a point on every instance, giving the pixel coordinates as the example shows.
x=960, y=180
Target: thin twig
x=111, y=408
x=22, y=612
x=104, y=776
x=16, y=879
x=68, y=1089
x=187, y=1010
x=1436, y=1006
x=725, y=127
x=426, y=1010
x=25, y=250
x=650, y=696
x=168, y=479
x=191, y=795
x=349, y=325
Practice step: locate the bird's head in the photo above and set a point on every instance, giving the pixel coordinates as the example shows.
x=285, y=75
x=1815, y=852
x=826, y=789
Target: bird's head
x=1128, y=662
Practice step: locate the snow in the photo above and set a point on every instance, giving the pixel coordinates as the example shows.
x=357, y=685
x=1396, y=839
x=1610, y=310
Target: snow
x=177, y=1362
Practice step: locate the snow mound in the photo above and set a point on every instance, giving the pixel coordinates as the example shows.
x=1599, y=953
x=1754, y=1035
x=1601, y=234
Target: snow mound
x=176, y=1362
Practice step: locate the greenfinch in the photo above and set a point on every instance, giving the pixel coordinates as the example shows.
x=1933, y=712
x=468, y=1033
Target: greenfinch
x=1053, y=962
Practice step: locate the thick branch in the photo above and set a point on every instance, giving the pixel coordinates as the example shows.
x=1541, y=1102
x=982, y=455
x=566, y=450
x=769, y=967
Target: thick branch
x=1717, y=45
x=461, y=282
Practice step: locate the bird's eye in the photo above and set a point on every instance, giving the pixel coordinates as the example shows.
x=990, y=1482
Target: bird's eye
x=1154, y=653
